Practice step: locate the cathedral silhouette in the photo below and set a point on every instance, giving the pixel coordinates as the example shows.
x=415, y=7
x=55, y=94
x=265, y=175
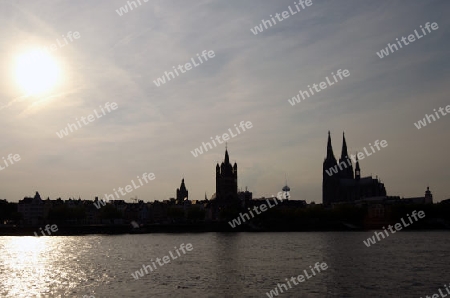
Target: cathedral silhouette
x=346, y=185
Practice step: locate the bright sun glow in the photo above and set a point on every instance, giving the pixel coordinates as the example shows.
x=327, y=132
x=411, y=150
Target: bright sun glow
x=36, y=72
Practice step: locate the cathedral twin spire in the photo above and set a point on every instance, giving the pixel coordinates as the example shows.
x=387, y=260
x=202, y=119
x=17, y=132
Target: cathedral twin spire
x=344, y=154
x=340, y=183
x=347, y=172
x=330, y=154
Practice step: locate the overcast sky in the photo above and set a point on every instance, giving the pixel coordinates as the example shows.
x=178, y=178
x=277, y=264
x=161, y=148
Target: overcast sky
x=250, y=78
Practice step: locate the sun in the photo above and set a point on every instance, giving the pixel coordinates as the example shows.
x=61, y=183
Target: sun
x=36, y=72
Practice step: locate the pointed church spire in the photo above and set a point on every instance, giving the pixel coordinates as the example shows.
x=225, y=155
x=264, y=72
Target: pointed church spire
x=330, y=154
x=227, y=158
x=357, y=169
x=344, y=153
x=346, y=173
x=182, y=193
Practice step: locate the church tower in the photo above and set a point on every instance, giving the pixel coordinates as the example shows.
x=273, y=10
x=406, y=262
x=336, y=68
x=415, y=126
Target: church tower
x=428, y=196
x=182, y=193
x=226, y=180
x=341, y=184
x=330, y=184
x=347, y=170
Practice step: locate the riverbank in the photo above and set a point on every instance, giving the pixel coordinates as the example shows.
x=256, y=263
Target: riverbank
x=329, y=226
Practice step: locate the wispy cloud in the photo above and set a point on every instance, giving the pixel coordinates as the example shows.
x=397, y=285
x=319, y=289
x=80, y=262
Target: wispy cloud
x=250, y=78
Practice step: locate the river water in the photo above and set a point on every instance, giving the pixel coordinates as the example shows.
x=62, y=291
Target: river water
x=405, y=264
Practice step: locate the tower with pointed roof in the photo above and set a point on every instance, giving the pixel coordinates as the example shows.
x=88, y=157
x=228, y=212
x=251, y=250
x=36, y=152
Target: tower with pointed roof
x=182, y=193
x=329, y=183
x=347, y=171
x=226, y=180
x=428, y=196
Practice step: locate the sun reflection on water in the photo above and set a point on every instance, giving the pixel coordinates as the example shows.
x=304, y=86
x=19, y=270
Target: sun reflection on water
x=38, y=267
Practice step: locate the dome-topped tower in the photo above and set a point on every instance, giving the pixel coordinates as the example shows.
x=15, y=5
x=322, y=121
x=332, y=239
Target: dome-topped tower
x=286, y=189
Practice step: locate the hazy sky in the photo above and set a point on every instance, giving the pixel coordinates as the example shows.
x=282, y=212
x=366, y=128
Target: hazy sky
x=250, y=78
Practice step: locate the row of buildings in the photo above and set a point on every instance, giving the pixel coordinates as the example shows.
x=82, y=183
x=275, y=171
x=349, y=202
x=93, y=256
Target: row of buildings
x=345, y=187
x=227, y=201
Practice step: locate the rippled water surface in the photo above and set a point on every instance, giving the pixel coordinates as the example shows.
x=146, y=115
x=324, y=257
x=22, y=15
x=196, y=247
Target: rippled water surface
x=408, y=264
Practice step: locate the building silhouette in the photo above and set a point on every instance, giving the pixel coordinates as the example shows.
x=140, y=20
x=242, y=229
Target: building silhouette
x=227, y=203
x=226, y=180
x=346, y=185
x=285, y=191
x=427, y=199
x=226, y=197
x=182, y=193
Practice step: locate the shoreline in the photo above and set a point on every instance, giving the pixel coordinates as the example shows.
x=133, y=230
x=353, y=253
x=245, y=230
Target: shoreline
x=204, y=228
